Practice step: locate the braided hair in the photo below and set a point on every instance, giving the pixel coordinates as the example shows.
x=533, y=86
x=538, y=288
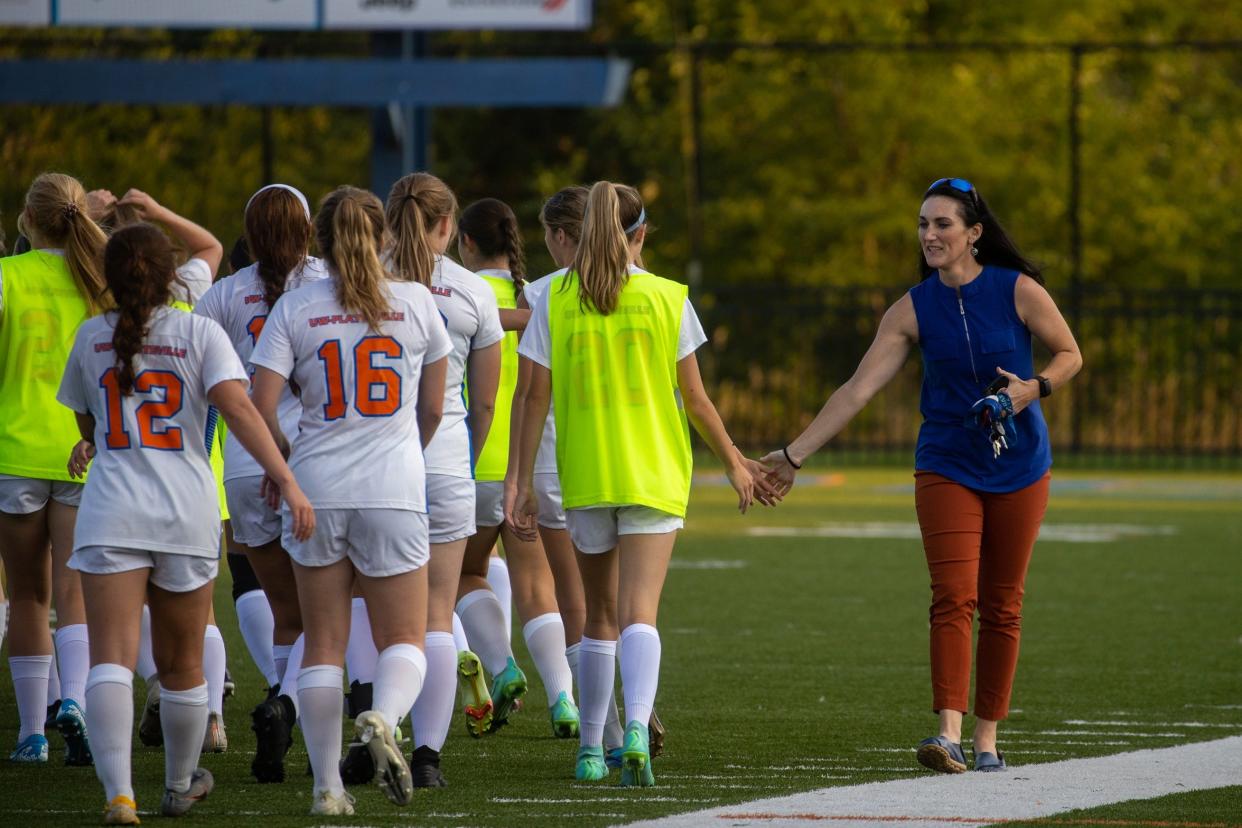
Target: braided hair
x=139, y=266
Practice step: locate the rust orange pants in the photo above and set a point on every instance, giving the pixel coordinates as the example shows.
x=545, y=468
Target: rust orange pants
x=978, y=546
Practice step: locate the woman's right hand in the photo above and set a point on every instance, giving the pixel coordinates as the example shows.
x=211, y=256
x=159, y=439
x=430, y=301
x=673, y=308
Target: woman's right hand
x=146, y=206
x=779, y=471
x=523, y=512
x=300, y=508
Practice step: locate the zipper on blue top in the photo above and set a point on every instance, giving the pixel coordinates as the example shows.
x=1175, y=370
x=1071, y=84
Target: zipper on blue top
x=969, y=348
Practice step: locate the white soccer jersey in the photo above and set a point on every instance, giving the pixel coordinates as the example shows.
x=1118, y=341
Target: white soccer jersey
x=545, y=460
x=358, y=447
x=236, y=303
x=467, y=305
x=150, y=485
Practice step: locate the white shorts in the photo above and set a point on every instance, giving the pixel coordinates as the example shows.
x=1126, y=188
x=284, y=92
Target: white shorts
x=254, y=523
x=24, y=495
x=171, y=571
x=595, y=529
x=548, y=493
x=450, y=508
x=379, y=542
x=489, y=503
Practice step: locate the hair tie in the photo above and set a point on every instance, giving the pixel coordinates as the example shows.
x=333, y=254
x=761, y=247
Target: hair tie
x=71, y=209
x=639, y=222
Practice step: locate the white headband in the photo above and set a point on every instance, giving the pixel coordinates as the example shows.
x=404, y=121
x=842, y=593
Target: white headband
x=639, y=222
x=294, y=190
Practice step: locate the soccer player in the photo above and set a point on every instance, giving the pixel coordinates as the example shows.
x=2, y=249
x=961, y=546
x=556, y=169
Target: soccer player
x=490, y=244
x=614, y=345
x=421, y=214
x=45, y=294
x=369, y=356
x=139, y=381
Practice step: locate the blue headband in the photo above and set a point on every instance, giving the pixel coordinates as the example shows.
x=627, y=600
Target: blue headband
x=639, y=222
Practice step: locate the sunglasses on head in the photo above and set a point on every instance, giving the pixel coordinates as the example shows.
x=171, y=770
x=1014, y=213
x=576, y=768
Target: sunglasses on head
x=959, y=184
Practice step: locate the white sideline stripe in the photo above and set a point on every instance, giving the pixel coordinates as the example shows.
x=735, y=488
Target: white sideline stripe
x=1229, y=725
x=1026, y=792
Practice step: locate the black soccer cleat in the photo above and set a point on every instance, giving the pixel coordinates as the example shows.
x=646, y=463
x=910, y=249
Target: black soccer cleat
x=357, y=768
x=272, y=723
x=425, y=768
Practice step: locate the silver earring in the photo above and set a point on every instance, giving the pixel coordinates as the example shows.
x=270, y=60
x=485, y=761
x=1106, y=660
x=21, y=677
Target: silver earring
x=974, y=251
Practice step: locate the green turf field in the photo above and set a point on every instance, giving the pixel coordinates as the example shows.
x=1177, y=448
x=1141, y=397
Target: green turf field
x=797, y=658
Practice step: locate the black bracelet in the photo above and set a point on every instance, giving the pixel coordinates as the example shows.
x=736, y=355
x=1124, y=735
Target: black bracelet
x=789, y=459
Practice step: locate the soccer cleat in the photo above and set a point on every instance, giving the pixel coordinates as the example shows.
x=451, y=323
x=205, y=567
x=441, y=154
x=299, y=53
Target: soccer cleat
x=272, y=722
x=330, y=804
x=71, y=722
x=636, y=758
x=178, y=804
x=655, y=735
x=215, y=740
x=121, y=811
x=508, y=686
x=32, y=749
x=49, y=723
x=357, y=768
x=425, y=768
x=150, y=732
x=591, y=766
x=564, y=717
x=358, y=699
x=392, y=774
x=941, y=755
x=476, y=700
x=230, y=686
x=612, y=757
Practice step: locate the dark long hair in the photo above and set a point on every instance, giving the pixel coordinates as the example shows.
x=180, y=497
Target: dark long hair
x=139, y=267
x=277, y=237
x=492, y=226
x=995, y=246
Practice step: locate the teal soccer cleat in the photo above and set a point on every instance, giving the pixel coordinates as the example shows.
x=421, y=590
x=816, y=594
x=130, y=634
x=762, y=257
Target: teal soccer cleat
x=71, y=722
x=32, y=749
x=591, y=766
x=508, y=686
x=564, y=717
x=636, y=758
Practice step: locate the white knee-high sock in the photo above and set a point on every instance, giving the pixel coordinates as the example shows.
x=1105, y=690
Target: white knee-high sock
x=399, y=677
x=640, y=671
x=254, y=617
x=110, y=721
x=4, y=620
x=459, y=634
x=483, y=619
x=146, y=659
x=73, y=659
x=293, y=671
x=280, y=660
x=30, y=687
x=183, y=717
x=498, y=580
x=597, y=670
x=321, y=699
x=214, y=661
x=433, y=712
x=53, y=682
x=361, y=657
x=545, y=638
x=571, y=658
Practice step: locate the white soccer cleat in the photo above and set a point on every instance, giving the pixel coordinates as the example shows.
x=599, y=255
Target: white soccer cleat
x=330, y=804
x=392, y=774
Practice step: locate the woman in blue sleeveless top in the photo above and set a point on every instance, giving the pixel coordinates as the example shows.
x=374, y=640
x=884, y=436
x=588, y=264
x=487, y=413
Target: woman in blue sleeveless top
x=973, y=316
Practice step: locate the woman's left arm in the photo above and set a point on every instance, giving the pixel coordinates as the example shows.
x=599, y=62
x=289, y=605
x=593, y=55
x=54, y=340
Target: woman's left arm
x=1042, y=317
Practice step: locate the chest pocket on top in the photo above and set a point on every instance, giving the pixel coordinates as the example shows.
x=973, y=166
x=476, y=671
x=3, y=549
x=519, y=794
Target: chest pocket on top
x=939, y=355
x=998, y=341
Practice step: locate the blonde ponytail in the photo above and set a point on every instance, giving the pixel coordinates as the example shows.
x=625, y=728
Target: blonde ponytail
x=56, y=212
x=350, y=230
x=415, y=203
x=603, y=257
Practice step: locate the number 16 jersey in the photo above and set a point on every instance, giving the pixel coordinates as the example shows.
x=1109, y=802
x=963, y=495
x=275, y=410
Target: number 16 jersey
x=359, y=445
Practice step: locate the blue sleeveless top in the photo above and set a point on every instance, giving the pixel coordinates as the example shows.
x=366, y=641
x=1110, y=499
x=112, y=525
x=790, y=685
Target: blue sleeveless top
x=965, y=334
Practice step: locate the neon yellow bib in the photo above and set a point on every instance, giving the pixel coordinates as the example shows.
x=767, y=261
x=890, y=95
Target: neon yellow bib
x=621, y=433
x=494, y=459
x=38, y=322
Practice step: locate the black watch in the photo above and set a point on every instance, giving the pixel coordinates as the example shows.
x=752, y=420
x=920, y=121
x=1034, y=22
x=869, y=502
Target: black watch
x=1045, y=385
